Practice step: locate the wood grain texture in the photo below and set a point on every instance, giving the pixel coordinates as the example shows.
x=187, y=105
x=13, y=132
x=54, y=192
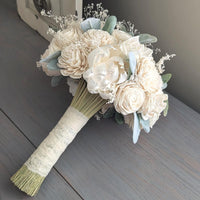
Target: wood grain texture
x=14, y=150
x=102, y=162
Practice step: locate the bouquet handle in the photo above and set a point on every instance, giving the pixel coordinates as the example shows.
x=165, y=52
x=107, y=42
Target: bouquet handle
x=31, y=175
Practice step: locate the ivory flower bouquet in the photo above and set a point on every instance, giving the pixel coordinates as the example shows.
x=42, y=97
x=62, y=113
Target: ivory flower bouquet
x=111, y=72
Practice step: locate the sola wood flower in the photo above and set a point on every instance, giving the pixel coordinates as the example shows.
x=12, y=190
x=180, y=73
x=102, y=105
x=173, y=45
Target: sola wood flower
x=120, y=36
x=73, y=60
x=96, y=38
x=153, y=106
x=129, y=98
x=106, y=70
x=148, y=76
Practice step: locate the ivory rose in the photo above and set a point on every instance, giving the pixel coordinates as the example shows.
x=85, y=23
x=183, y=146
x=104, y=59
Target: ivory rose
x=96, y=38
x=153, y=105
x=148, y=76
x=73, y=60
x=63, y=38
x=106, y=70
x=120, y=36
x=133, y=45
x=129, y=98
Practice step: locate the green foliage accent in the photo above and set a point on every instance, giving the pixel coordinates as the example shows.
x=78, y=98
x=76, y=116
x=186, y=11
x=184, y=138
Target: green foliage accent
x=109, y=113
x=110, y=24
x=55, y=80
x=165, y=112
x=119, y=118
x=144, y=123
x=147, y=38
x=90, y=23
x=51, y=57
x=166, y=77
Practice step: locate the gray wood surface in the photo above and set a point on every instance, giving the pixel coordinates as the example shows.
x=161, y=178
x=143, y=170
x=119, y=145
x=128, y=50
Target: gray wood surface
x=102, y=162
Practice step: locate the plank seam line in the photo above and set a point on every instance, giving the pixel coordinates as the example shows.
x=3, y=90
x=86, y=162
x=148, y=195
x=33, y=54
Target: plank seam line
x=17, y=127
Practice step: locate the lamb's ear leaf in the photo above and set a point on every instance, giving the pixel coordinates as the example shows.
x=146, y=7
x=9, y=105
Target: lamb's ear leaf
x=166, y=77
x=164, y=86
x=90, y=23
x=51, y=57
x=136, y=128
x=119, y=118
x=165, y=111
x=52, y=64
x=55, y=80
x=109, y=113
x=147, y=38
x=132, y=62
x=144, y=123
x=110, y=24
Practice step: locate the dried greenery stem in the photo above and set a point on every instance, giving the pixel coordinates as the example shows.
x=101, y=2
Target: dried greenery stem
x=85, y=102
x=27, y=181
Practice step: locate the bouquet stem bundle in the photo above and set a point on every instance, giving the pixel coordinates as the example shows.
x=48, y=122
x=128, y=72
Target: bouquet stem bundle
x=32, y=174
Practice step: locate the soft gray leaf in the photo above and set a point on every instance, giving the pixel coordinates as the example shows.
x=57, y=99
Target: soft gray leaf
x=55, y=80
x=136, y=128
x=119, y=118
x=147, y=38
x=90, y=23
x=110, y=24
x=52, y=64
x=132, y=62
x=166, y=77
x=144, y=123
x=52, y=56
x=109, y=113
x=165, y=112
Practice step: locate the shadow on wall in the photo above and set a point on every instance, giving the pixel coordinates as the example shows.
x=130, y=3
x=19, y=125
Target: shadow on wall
x=176, y=24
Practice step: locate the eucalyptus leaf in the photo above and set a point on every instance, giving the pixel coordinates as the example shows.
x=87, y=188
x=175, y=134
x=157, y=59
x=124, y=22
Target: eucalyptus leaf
x=144, y=123
x=119, y=118
x=165, y=112
x=55, y=80
x=136, y=128
x=132, y=62
x=110, y=24
x=166, y=77
x=109, y=113
x=164, y=86
x=147, y=38
x=52, y=56
x=90, y=23
x=52, y=64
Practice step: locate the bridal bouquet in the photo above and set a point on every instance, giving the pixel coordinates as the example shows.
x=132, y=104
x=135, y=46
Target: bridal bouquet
x=110, y=71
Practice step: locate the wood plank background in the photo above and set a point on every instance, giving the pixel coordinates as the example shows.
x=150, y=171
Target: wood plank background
x=102, y=162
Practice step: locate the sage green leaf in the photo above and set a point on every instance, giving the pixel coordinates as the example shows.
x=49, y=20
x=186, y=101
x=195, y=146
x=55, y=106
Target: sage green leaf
x=164, y=86
x=90, y=23
x=52, y=56
x=166, y=77
x=132, y=61
x=110, y=24
x=119, y=118
x=52, y=64
x=55, y=80
x=147, y=38
x=109, y=113
x=144, y=123
x=136, y=128
x=165, y=112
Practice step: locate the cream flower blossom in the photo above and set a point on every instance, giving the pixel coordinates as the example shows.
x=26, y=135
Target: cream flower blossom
x=153, y=105
x=129, y=97
x=97, y=38
x=120, y=36
x=63, y=38
x=147, y=75
x=106, y=70
x=133, y=45
x=73, y=60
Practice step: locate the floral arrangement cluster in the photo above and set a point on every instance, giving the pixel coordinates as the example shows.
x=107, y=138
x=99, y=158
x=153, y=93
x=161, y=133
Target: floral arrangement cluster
x=110, y=69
